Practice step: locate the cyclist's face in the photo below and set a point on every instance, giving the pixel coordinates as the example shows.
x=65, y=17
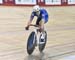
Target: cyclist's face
x=38, y=12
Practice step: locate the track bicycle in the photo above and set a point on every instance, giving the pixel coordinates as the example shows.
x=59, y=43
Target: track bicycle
x=35, y=39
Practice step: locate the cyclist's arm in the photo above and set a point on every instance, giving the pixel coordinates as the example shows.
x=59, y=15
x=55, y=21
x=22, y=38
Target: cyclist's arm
x=29, y=22
x=31, y=18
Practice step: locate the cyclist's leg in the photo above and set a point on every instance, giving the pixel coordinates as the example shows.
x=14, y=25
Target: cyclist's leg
x=38, y=23
x=38, y=20
x=42, y=23
x=42, y=36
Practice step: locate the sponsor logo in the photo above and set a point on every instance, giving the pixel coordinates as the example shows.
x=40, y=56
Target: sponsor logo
x=25, y=1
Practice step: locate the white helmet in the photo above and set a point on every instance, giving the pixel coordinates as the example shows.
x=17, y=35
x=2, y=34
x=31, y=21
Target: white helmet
x=36, y=8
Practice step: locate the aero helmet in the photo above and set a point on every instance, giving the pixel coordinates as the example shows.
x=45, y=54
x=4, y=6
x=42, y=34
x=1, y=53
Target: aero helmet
x=36, y=8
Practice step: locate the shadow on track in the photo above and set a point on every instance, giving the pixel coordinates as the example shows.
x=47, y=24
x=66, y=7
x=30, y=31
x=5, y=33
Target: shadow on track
x=36, y=57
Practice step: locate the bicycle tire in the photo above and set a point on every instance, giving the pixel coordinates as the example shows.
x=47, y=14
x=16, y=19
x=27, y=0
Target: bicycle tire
x=42, y=46
x=30, y=44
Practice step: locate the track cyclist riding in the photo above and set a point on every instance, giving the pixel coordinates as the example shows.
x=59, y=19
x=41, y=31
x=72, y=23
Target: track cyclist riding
x=42, y=18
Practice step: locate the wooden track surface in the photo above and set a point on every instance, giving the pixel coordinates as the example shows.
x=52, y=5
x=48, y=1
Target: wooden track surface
x=13, y=36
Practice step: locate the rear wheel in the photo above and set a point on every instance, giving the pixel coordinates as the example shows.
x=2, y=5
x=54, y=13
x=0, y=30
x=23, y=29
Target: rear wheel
x=31, y=43
x=42, y=46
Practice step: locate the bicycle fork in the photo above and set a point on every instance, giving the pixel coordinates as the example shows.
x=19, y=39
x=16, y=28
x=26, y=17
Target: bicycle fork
x=37, y=37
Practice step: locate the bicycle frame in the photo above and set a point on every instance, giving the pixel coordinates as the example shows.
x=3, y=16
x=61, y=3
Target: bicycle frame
x=36, y=33
x=37, y=36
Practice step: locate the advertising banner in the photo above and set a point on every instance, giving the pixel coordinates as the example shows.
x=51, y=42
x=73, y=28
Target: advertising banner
x=1, y=1
x=28, y=2
x=53, y=2
x=8, y=2
x=71, y=1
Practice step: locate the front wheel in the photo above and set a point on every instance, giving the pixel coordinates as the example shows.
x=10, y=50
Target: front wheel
x=42, y=46
x=31, y=43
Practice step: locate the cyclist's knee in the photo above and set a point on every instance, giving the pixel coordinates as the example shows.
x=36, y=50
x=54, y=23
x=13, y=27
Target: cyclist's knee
x=41, y=25
x=41, y=28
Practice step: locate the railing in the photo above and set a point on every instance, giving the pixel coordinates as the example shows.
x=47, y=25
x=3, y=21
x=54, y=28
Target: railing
x=39, y=2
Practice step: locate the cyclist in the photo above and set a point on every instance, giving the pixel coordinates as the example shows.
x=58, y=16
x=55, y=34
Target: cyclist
x=42, y=17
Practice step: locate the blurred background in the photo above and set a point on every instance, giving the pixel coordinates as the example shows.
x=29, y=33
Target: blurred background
x=14, y=15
